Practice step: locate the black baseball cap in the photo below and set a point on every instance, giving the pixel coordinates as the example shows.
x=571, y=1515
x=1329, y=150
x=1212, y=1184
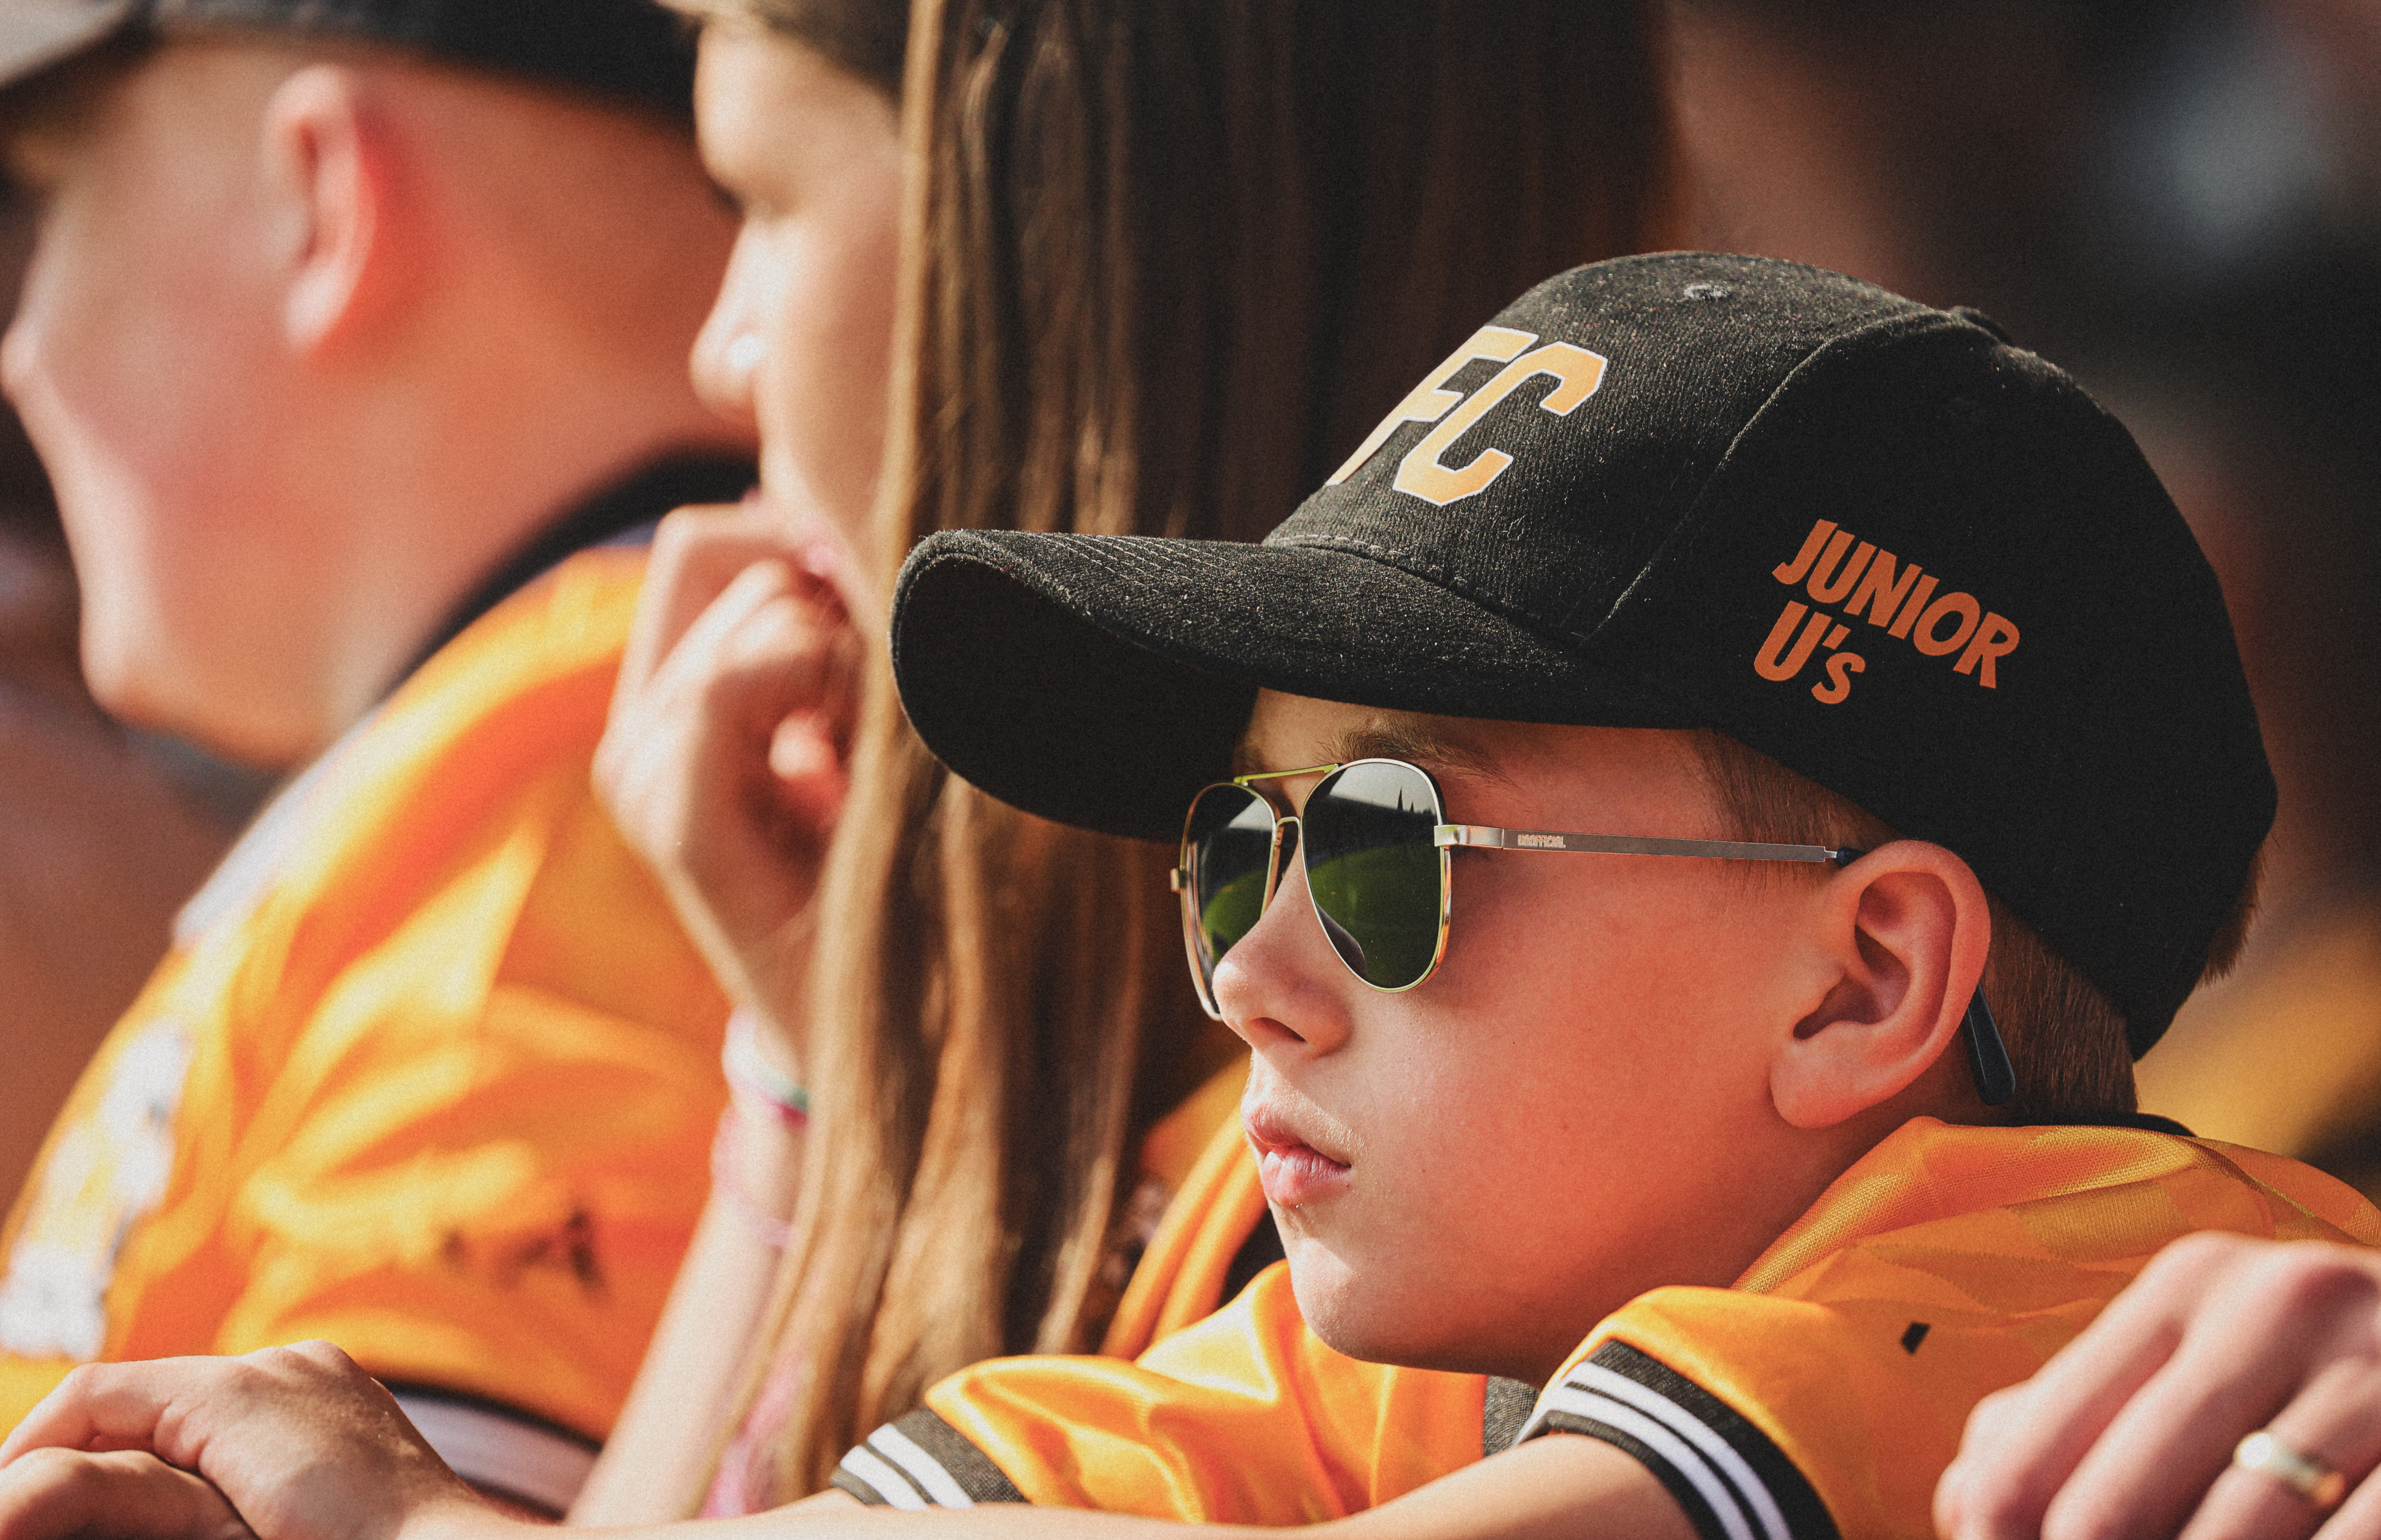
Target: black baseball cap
x=1873, y=540
x=630, y=52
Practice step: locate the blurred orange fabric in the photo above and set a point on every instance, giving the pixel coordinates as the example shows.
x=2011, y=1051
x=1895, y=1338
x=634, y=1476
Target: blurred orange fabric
x=438, y=1086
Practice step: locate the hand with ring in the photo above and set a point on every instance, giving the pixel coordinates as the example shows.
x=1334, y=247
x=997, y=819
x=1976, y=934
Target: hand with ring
x=2266, y=1455
x=2233, y=1392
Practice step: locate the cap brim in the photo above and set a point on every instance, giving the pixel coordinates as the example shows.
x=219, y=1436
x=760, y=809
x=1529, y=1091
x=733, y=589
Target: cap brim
x=37, y=34
x=1100, y=680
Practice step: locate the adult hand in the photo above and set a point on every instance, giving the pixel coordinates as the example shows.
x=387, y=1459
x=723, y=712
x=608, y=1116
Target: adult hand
x=724, y=760
x=2129, y=1431
x=55, y=1493
x=287, y=1444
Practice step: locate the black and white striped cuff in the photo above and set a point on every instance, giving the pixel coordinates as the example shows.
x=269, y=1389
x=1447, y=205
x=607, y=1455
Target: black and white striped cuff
x=922, y=1461
x=1733, y=1483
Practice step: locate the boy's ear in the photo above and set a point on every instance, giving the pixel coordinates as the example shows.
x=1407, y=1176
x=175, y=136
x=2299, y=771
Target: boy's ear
x=1905, y=929
x=332, y=167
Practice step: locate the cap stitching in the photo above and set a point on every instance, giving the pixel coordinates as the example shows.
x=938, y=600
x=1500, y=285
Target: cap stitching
x=1406, y=561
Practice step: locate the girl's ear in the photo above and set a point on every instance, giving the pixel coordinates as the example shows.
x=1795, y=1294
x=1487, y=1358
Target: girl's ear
x=1906, y=930
x=332, y=169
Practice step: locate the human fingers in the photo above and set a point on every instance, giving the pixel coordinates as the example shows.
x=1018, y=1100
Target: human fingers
x=763, y=630
x=777, y=651
x=1968, y=1504
x=298, y=1440
x=764, y=718
x=696, y=553
x=120, y=1403
x=2275, y=1336
x=700, y=726
x=810, y=749
x=662, y=719
x=744, y=730
x=51, y=1494
x=725, y=770
x=810, y=768
x=2359, y=1517
x=2329, y=1435
x=173, y=1407
x=2021, y=1444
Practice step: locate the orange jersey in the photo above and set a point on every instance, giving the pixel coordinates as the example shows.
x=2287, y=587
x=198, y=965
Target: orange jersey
x=1215, y=1205
x=1177, y=1168
x=1821, y=1395
x=432, y=1072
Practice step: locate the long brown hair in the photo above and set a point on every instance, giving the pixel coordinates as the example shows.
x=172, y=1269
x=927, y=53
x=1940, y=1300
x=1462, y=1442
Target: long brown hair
x=1167, y=262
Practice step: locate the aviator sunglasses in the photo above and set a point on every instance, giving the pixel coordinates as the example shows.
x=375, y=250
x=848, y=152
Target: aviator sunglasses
x=1376, y=841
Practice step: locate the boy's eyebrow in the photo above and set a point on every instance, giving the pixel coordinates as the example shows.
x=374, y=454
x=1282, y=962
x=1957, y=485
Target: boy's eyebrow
x=1419, y=745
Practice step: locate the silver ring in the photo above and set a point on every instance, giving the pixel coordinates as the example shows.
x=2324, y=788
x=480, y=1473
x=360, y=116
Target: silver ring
x=2322, y=1486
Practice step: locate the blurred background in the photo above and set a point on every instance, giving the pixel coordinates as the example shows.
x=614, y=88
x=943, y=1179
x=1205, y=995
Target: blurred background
x=2181, y=200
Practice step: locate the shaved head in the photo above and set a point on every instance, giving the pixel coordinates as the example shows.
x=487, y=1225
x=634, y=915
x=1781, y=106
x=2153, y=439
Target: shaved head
x=315, y=335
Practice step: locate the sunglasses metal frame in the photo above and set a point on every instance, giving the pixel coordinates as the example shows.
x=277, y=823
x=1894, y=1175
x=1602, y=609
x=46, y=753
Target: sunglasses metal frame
x=1987, y=1054
x=1447, y=837
x=1277, y=858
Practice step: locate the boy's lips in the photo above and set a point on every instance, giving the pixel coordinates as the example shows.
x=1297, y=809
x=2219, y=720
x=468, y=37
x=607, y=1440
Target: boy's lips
x=1293, y=1172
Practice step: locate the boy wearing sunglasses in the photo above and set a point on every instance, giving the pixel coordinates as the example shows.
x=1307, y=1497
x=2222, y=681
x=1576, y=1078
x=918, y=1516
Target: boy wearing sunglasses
x=1695, y=821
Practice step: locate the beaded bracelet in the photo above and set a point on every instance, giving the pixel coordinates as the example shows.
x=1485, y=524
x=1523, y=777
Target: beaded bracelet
x=750, y=1071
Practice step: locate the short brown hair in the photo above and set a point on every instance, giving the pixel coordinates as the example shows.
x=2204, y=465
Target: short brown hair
x=2066, y=1040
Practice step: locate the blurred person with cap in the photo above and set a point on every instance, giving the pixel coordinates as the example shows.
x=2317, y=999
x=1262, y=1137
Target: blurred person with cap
x=354, y=341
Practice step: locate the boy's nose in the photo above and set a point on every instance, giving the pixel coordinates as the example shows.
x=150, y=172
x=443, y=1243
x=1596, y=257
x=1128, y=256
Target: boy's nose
x=1281, y=987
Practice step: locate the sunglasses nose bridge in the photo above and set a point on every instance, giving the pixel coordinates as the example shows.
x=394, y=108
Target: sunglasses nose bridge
x=1286, y=831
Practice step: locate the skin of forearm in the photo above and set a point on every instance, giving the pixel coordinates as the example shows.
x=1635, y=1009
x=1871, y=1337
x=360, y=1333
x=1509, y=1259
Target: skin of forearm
x=658, y=1458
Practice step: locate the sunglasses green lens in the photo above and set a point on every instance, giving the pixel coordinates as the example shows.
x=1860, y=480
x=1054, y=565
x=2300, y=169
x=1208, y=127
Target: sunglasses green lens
x=1373, y=870
x=1375, y=874
x=1228, y=843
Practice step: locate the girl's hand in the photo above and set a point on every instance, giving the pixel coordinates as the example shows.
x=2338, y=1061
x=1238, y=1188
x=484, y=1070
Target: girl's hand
x=724, y=761
x=2129, y=1431
x=292, y=1444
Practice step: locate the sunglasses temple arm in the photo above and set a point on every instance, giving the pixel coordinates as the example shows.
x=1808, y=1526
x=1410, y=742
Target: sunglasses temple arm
x=1988, y=1057
x=1488, y=836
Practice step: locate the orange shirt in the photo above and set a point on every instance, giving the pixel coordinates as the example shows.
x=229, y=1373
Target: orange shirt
x=1178, y=1167
x=1821, y=1395
x=431, y=1071
x=1200, y=1154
